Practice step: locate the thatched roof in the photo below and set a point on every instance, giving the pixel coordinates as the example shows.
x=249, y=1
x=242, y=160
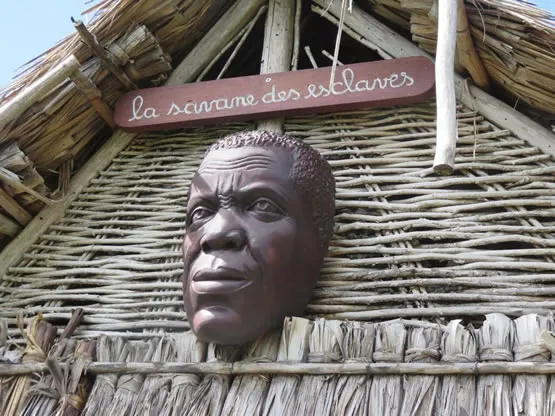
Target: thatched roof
x=47, y=144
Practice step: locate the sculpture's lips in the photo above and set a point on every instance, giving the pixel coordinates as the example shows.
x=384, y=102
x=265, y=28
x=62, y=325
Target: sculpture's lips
x=219, y=281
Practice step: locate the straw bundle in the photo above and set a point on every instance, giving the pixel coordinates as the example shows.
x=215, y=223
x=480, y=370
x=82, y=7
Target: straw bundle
x=529, y=392
x=496, y=344
x=386, y=392
x=248, y=393
x=109, y=349
x=352, y=393
x=209, y=398
x=189, y=350
x=40, y=336
x=293, y=348
x=155, y=389
x=324, y=346
x=458, y=345
x=129, y=385
x=422, y=392
x=515, y=41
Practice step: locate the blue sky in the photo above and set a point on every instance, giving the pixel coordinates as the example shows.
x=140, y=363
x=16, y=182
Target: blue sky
x=29, y=27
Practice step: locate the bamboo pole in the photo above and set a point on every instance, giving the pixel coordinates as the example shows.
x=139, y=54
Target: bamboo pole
x=446, y=119
x=278, y=47
x=37, y=90
x=285, y=369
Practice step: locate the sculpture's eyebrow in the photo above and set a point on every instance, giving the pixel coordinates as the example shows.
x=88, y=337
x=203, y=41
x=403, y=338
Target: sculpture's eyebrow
x=255, y=190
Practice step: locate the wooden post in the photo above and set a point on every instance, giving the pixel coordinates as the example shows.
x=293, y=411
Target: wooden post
x=278, y=47
x=446, y=107
x=37, y=90
x=229, y=25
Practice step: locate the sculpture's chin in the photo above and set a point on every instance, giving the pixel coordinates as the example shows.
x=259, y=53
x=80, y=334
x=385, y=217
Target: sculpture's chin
x=220, y=325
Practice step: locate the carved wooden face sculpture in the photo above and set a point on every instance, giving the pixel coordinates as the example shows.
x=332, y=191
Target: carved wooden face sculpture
x=260, y=217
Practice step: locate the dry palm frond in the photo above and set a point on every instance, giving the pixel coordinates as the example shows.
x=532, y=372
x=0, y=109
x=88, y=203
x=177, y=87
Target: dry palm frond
x=129, y=385
x=325, y=345
x=293, y=348
x=183, y=386
x=247, y=393
x=352, y=393
x=458, y=392
x=209, y=398
x=109, y=349
x=155, y=389
x=386, y=391
x=496, y=344
x=529, y=392
x=421, y=392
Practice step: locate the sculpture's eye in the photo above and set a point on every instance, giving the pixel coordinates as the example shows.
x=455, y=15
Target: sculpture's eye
x=266, y=209
x=199, y=214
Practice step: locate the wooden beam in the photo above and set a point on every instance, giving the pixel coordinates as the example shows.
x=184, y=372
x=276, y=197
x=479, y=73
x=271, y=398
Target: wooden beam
x=34, y=92
x=94, y=95
x=102, y=54
x=229, y=25
x=471, y=96
x=446, y=103
x=13, y=208
x=277, y=52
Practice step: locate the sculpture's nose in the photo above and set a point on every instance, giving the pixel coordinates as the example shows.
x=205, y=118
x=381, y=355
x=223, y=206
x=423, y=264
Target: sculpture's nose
x=223, y=232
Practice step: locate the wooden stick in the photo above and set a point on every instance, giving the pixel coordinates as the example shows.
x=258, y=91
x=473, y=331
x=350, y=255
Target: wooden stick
x=102, y=54
x=94, y=95
x=243, y=368
x=471, y=96
x=37, y=90
x=446, y=119
x=278, y=47
x=14, y=209
x=229, y=25
x=466, y=52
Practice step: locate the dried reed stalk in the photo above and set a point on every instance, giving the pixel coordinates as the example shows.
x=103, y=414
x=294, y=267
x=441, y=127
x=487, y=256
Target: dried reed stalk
x=248, y=393
x=293, y=348
x=493, y=395
x=352, y=393
x=315, y=393
x=529, y=392
x=209, y=398
x=183, y=386
x=129, y=385
x=458, y=345
x=40, y=336
x=156, y=388
x=386, y=391
x=422, y=392
x=109, y=349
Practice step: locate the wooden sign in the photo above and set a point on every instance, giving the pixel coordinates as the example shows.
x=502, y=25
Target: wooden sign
x=370, y=84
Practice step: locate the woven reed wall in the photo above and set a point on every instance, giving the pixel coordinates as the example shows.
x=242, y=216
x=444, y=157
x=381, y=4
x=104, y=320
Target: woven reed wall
x=407, y=243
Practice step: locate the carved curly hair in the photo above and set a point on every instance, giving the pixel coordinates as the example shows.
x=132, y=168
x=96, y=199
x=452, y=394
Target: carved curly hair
x=310, y=172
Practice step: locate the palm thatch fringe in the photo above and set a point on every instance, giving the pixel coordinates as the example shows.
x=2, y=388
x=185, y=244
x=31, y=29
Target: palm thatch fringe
x=495, y=337
x=421, y=393
x=293, y=348
x=386, y=393
x=248, y=393
x=189, y=350
x=458, y=344
x=530, y=392
x=352, y=393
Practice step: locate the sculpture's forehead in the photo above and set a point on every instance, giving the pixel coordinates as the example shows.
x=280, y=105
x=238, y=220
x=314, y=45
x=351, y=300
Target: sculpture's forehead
x=272, y=159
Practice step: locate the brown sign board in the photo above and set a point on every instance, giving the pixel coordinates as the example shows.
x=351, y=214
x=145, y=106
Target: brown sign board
x=369, y=84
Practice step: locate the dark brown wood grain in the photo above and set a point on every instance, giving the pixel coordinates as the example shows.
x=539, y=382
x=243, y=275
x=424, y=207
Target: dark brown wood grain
x=369, y=84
